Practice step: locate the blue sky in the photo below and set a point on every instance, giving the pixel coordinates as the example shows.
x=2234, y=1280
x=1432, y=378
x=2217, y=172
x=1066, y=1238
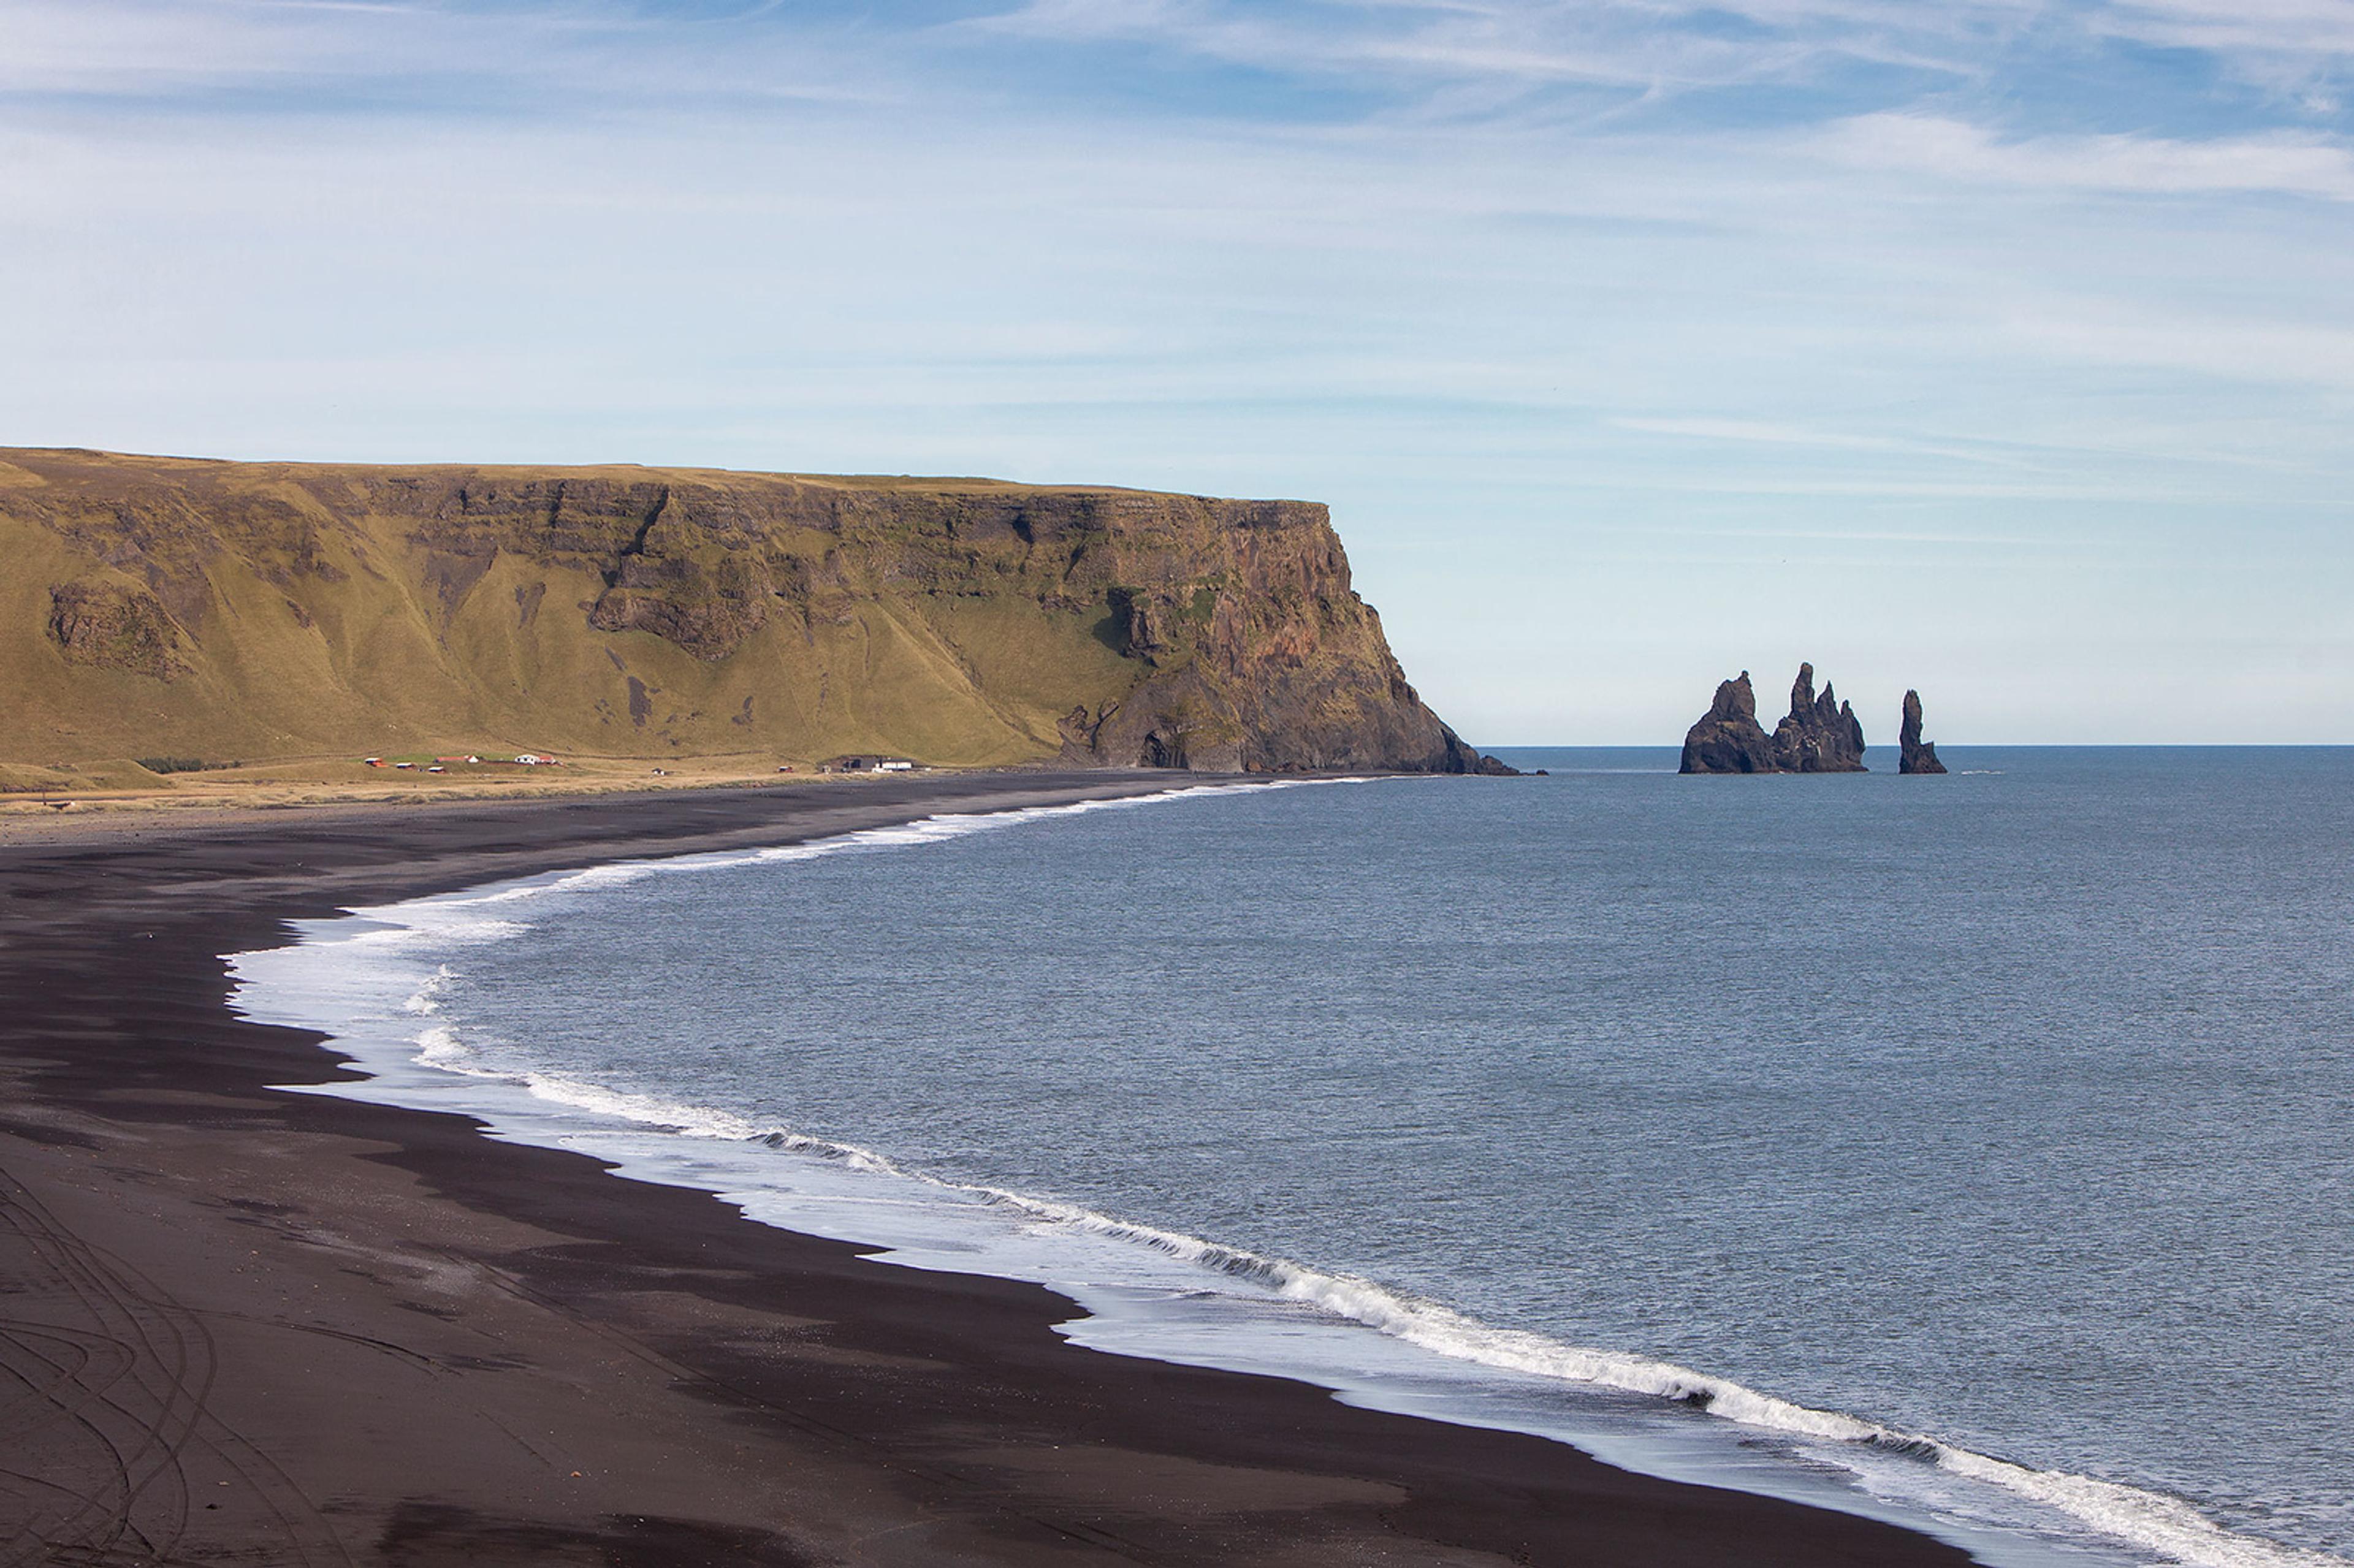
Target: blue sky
x=1999, y=348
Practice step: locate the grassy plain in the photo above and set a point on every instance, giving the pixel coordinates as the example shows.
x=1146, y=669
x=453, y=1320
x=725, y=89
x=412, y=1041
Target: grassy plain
x=36, y=803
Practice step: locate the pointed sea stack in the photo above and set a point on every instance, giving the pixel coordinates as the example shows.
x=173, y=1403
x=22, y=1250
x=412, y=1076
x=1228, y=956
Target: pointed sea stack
x=1727, y=738
x=1916, y=756
x=1820, y=734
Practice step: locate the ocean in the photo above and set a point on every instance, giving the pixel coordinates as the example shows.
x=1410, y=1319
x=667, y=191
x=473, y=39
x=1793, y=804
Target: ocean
x=1972, y=1151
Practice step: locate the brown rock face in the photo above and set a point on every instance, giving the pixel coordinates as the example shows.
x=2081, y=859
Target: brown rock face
x=1261, y=656
x=627, y=610
x=1916, y=755
x=1819, y=735
x=114, y=626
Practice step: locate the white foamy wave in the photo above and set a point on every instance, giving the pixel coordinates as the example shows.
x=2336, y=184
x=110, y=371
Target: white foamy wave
x=2146, y=1520
x=440, y=1047
x=488, y=916
x=452, y=916
x=2149, y=1520
x=669, y=1116
x=426, y=1000
x=849, y=1154
x=437, y=929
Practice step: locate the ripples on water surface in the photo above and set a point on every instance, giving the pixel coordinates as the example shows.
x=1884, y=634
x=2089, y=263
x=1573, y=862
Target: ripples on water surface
x=2010, y=1106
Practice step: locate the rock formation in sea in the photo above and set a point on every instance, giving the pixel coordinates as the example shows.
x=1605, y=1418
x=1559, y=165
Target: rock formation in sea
x=1727, y=738
x=1916, y=755
x=1819, y=733
x=170, y=606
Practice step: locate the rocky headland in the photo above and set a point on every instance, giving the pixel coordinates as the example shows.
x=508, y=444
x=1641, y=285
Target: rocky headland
x=1916, y=755
x=1819, y=733
x=179, y=607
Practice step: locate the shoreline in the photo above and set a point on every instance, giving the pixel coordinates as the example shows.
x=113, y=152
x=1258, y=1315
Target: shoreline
x=329, y=1331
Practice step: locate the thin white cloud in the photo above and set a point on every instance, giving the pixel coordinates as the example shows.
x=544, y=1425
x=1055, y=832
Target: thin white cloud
x=2112, y=332
x=1456, y=43
x=1638, y=44
x=1761, y=433
x=342, y=58
x=377, y=8
x=2288, y=162
x=2299, y=51
x=142, y=46
x=1865, y=536
x=2301, y=26
x=1770, y=433
x=1473, y=59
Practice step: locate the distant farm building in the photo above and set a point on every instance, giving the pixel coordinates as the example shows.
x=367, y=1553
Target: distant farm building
x=867, y=765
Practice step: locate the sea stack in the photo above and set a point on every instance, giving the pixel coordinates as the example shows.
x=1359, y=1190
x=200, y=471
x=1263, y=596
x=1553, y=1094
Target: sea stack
x=1727, y=738
x=1916, y=755
x=1819, y=735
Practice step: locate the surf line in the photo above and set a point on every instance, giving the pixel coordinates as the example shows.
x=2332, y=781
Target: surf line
x=2128, y=1515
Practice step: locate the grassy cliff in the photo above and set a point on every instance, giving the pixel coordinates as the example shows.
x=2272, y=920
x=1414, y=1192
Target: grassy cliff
x=158, y=607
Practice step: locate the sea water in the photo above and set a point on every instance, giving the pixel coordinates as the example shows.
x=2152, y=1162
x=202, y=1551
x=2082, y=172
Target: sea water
x=1977, y=1151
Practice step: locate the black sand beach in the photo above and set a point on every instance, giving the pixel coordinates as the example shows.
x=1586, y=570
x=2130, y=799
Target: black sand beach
x=250, y=1326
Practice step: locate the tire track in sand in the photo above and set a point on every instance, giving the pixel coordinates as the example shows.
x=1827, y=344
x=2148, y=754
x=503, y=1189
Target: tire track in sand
x=105, y=1384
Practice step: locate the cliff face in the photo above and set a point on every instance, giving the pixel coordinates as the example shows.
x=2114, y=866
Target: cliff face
x=172, y=606
x=1819, y=733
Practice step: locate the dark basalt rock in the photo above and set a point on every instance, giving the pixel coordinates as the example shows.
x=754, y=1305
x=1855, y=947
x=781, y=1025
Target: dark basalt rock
x=1916, y=756
x=1819, y=735
x=1727, y=738
x=1462, y=758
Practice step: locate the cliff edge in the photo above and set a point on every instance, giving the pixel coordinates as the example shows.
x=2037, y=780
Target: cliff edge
x=174, y=606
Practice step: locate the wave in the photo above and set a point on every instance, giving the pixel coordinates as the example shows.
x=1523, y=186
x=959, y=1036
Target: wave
x=449, y=917
x=2136, y=1516
x=2145, y=1520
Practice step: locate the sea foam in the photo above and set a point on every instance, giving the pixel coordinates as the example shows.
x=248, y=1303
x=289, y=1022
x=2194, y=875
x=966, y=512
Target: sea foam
x=2145, y=1521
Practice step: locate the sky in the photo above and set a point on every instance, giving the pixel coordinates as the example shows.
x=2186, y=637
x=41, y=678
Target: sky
x=2000, y=349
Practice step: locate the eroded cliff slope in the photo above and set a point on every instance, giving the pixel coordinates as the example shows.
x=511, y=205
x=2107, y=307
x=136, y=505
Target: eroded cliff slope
x=171, y=606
